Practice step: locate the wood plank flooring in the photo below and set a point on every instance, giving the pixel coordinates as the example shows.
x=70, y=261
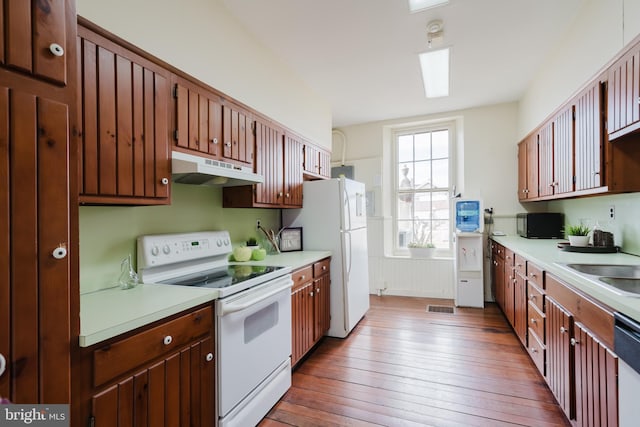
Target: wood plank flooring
x=403, y=366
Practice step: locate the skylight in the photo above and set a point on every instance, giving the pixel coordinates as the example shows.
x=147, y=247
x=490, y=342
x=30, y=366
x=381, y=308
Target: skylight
x=419, y=5
x=435, y=72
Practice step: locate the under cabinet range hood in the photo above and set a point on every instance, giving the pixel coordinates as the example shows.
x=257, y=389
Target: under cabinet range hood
x=196, y=170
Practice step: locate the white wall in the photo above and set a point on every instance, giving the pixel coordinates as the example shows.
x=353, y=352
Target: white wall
x=201, y=38
x=487, y=169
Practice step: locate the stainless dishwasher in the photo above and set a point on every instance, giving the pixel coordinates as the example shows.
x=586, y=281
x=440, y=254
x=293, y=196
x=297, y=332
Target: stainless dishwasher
x=627, y=347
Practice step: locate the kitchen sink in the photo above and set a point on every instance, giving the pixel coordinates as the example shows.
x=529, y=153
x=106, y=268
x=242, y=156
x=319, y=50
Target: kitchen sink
x=625, y=284
x=618, y=278
x=611, y=270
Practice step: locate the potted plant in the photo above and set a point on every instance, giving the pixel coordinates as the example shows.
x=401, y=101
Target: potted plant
x=578, y=235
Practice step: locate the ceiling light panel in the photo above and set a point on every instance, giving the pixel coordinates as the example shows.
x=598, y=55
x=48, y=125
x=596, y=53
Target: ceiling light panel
x=419, y=5
x=435, y=72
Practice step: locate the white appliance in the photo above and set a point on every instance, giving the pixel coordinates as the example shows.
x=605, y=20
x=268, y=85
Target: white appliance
x=334, y=218
x=253, y=318
x=626, y=344
x=469, y=270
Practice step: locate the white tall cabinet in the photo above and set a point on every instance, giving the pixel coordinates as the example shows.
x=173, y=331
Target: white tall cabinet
x=469, y=270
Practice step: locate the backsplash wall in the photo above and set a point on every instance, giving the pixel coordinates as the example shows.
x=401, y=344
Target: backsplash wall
x=108, y=233
x=627, y=207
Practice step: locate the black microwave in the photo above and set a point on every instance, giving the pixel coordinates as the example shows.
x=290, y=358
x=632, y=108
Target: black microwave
x=540, y=225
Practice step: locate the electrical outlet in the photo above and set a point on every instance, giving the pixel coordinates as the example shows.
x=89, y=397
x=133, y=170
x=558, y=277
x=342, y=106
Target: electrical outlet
x=257, y=224
x=612, y=212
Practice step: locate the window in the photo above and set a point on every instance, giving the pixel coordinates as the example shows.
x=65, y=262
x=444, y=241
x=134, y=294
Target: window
x=422, y=189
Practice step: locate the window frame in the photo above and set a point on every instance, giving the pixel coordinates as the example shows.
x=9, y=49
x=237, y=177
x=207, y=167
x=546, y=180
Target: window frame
x=396, y=133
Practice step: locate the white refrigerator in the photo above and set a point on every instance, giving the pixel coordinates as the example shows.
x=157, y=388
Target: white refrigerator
x=333, y=218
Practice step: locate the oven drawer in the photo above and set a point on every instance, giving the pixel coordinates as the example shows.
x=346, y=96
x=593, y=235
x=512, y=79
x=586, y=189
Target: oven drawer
x=321, y=267
x=129, y=353
x=302, y=276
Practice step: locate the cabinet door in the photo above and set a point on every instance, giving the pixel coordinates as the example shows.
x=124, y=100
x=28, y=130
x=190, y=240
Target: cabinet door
x=545, y=160
x=311, y=159
x=596, y=371
x=125, y=125
x=177, y=390
x=498, y=280
x=293, y=162
x=623, y=106
x=322, y=306
x=238, y=134
x=35, y=37
x=560, y=366
x=34, y=215
x=532, y=167
x=588, y=138
x=520, y=308
x=563, y=151
x=522, y=170
x=198, y=119
x=509, y=296
x=325, y=163
x=270, y=164
x=302, y=324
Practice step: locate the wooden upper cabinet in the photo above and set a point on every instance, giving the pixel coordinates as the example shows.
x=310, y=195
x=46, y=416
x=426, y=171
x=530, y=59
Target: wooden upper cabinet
x=545, y=159
x=198, y=119
x=528, y=167
x=623, y=106
x=35, y=37
x=563, y=133
x=279, y=159
x=588, y=138
x=317, y=162
x=124, y=117
x=238, y=134
x=293, y=165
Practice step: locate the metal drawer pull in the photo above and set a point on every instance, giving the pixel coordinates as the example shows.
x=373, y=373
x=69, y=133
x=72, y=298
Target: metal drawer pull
x=56, y=49
x=209, y=357
x=534, y=321
x=534, y=350
x=303, y=277
x=167, y=340
x=324, y=268
x=532, y=275
x=164, y=181
x=532, y=297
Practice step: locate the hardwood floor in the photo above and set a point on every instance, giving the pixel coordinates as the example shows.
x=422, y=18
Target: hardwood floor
x=403, y=366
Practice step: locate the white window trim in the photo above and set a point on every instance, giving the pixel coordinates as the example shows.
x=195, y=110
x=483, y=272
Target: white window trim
x=397, y=131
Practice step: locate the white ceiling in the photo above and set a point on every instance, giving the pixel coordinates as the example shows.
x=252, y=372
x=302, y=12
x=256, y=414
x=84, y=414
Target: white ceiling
x=362, y=55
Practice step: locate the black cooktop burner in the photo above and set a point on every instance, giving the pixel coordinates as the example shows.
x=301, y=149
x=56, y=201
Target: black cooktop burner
x=222, y=277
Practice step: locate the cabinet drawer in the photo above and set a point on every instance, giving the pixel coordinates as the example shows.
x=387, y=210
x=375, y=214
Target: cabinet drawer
x=498, y=250
x=508, y=258
x=302, y=276
x=534, y=275
x=520, y=265
x=321, y=267
x=537, y=352
x=536, y=296
x=127, y=354
x=536, y=322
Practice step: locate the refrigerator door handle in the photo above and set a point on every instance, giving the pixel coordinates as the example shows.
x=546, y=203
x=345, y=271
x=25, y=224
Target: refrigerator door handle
x=347, y=252
x=347, y=256
x=347, y=202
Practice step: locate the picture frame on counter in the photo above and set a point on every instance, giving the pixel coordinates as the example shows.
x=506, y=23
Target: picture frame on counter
x=291, y=239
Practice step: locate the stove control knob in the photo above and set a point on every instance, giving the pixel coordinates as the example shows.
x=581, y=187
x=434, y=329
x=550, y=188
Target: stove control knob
x=166, y=249
x=155, y=251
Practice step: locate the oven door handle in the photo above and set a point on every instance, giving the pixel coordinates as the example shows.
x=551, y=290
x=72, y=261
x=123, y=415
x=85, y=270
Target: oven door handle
x=228, y=308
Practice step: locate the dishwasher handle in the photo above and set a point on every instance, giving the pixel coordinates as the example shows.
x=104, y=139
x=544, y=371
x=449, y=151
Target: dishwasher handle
x=626, y=340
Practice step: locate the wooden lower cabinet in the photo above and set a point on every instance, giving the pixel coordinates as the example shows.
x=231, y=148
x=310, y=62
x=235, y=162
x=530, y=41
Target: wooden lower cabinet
x=582, y=368
x=310, y=307
x=520, y=318
x=161, y=376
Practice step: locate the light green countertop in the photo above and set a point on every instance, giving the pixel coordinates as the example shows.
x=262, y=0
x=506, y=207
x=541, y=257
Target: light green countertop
x=547, y=255
x=110, y=312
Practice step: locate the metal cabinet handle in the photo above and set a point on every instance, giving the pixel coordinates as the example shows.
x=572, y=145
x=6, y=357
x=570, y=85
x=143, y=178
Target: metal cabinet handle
x=303, y=277
x=534, y=350
x=165, y=181
x=228, y=144
x=280, y=194
x=532, y=275
x=324, y=268
x=532, y=297
x=209, y=357
x=311, y=293
x=56, y=49
x=214, y=140
x=317, y=290
x=167, y=340
x=286, y=195
x=562, y=330
x=574, y=342
x=534, y=321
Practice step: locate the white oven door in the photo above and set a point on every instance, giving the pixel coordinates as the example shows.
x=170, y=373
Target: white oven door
x=253, y=338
